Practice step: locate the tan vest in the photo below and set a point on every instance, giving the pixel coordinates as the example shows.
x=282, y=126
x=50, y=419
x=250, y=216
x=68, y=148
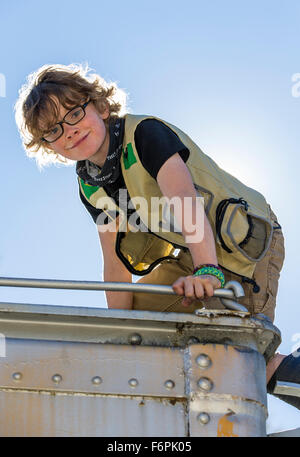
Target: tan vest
x=239, y=216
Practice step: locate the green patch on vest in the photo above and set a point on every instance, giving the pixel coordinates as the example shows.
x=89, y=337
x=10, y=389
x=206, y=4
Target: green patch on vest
x=128, y=156
x=88, y=189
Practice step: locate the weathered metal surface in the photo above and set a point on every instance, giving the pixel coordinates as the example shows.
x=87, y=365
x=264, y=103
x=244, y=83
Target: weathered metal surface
x=216, y=390
x=91, y=372
x=232, y=369
x=49, y=414
x=92, y=368
x=228, y=417
x=59, y=388
x=227, y=389
x=112, y=326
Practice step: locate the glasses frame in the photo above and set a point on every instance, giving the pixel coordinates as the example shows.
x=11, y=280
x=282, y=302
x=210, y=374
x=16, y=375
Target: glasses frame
x=65, y=122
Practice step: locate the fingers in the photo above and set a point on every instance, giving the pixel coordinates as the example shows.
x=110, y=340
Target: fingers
x=208, y=288
x=186, y=302
x=185, y=286
x=178, y=286
x=195, y=287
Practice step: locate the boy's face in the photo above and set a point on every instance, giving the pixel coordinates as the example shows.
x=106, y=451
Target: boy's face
x=88, y=139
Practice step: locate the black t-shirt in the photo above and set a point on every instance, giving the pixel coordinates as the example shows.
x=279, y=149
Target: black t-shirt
x=155, y=143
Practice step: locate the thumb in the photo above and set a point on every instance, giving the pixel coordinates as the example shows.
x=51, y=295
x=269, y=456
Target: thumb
x=187, y=301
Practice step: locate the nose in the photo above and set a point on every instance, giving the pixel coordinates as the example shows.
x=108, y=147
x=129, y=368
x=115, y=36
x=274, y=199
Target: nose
x=70, y=130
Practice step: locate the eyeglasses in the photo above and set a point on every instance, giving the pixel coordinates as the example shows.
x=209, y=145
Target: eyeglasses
x=71, y=118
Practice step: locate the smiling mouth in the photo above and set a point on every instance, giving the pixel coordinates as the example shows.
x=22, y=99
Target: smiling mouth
x=80, y=141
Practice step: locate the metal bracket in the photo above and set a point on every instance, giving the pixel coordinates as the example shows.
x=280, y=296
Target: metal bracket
x=238, y=292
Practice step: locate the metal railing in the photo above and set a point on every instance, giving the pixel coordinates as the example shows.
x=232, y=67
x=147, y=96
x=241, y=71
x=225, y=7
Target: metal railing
x=231, y=291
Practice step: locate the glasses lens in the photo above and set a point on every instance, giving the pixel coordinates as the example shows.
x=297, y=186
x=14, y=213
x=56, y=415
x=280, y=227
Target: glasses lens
x=74, y=116
x=54, y=133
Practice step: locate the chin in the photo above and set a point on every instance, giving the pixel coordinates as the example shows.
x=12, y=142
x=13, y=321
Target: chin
x=84, y=155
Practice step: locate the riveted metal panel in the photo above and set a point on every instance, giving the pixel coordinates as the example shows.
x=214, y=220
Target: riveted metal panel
x=91, y=367
x=45, y=414
x=226, y=416
x=73, y=371
x=115, y=326
x=227, y=386
x=232, y=370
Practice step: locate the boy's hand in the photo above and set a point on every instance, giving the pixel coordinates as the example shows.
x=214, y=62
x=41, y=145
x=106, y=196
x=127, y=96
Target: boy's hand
x=193, y=287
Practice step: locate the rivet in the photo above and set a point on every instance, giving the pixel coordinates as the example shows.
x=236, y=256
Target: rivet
x=203, y=361
x=17, y=376
x=56, y=378
x=205, y=384
x=96, y=380
x=135, y=338
x=169, y=384
x=133, y=382
x=204, y=418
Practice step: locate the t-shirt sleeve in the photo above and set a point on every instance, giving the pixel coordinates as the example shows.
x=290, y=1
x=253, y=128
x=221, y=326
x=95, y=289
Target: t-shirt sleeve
x=156, y=143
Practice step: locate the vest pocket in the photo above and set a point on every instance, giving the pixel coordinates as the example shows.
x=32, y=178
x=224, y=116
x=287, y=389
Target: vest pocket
x=240, y=230
x=141, y=252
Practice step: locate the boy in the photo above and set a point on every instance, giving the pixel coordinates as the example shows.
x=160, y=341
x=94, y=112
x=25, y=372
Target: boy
x=124, y=164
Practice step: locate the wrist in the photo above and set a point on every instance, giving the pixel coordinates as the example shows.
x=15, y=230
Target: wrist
x=212, y=270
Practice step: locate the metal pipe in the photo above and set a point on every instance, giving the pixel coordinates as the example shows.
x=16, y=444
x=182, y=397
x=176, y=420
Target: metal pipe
x=111, y=286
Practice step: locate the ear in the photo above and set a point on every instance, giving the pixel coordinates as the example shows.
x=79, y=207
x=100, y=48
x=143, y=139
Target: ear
x=105, y=114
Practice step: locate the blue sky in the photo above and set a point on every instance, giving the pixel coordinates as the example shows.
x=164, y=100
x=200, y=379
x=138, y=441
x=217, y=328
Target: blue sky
x=221, y=71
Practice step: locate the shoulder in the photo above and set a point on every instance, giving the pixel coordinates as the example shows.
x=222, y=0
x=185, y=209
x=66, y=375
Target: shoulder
x=152, y=126
x=156, y=143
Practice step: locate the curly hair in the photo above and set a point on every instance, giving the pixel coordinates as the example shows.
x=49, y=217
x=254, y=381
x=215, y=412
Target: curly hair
x=36, y=110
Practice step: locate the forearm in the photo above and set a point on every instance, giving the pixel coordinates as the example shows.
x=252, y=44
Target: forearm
x=201, y=244
x=175, y=181
x=203, y=251
x=113, y=269
x=195, y=227
x=118, y=300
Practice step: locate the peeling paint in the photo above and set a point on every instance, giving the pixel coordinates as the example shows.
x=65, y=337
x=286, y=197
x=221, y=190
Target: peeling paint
x=225, y=426
x=142, y=399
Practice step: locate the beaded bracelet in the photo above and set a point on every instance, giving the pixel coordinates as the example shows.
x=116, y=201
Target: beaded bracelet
x=214, y=271
x=206, y=265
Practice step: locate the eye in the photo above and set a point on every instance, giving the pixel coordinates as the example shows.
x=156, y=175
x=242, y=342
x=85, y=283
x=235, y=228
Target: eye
x=76, y=113
x=54, y=130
